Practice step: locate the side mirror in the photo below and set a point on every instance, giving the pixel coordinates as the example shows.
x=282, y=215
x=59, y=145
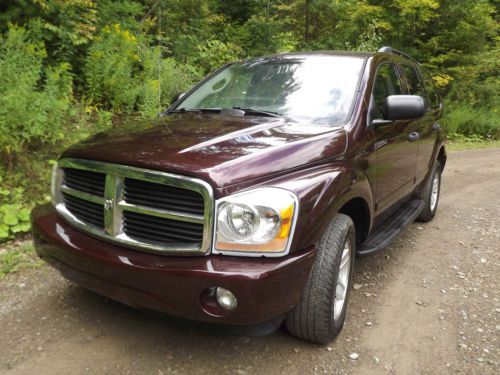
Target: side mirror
x=403, y=107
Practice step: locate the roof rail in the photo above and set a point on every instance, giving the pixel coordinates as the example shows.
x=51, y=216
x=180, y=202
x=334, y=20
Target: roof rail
x=387, y=49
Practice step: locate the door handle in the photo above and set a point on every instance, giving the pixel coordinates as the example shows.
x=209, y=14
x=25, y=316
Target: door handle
x=413, y=136
x=436, y=127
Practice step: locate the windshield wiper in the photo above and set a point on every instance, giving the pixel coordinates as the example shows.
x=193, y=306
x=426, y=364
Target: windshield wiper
x=184, y=110
x=253, y=111
x=258, y=111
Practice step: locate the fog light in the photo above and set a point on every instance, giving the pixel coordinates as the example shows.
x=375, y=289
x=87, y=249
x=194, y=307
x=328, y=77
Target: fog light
x=225, y=298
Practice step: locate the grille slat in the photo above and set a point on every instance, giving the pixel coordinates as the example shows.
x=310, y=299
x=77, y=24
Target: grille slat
x=139, y=225
x=166, y=197
x=144, y=222
x=164, y=237
x=83, y=210
x=128, y=224
x=171, y=204
x=138, y=186
x=86, y=181
x=86, y=211
x=96, y=218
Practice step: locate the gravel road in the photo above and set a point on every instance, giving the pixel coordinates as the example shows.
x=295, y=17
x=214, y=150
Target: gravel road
x=428, y=305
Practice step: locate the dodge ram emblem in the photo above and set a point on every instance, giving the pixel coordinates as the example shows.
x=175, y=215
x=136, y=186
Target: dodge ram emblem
x=108, y=204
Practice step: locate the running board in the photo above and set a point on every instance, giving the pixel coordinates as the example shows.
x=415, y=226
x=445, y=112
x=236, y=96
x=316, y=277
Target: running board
x=391, y=228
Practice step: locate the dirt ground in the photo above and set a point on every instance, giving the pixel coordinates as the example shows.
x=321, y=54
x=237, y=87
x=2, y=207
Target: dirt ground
x=428, y=305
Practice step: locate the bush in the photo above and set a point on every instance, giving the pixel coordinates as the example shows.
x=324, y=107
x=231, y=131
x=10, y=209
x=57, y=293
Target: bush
x=174, y=79
x=33, y=100
x=212, y=54
x=472, y=123
x=14, y=216
x=122, y=74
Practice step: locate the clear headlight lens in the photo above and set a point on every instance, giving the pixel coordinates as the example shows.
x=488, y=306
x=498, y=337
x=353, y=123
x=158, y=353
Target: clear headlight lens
x=56, y=181
x=256, y=222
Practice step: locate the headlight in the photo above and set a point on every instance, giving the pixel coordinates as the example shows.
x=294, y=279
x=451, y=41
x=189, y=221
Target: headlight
x=257, y=222
x=57, y=177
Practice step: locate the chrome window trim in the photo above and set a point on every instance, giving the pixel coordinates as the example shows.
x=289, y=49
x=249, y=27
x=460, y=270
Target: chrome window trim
x=114, y=205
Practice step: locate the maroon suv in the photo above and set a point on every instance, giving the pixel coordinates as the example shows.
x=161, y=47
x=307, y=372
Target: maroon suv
x=247, y=200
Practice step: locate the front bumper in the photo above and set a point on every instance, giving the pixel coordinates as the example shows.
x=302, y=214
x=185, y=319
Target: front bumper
x=265, y=287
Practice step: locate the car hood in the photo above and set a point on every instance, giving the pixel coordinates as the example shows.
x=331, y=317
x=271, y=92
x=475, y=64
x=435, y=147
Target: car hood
x=222, y=150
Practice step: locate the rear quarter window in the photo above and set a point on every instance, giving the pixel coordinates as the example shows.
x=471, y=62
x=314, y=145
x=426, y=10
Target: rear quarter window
x=432, y=94
x=421, y=85
x=413, y=81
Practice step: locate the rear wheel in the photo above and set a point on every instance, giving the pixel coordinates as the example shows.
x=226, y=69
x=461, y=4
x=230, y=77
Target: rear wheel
x=320, y=314
x=430, y=194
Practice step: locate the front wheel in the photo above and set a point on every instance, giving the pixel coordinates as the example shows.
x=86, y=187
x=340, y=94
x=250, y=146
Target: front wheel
x=430, y=194
x=320, y=314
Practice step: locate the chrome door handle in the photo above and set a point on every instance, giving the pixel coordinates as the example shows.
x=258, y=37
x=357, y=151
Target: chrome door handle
x=413, y=136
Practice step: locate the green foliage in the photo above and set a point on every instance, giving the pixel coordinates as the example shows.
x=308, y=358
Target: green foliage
x=480, y=123
x=34, y=98
x=212, y=54
x=65, y=26
x=126, y=12
x=124, y=74
x=14, y=216
x=109, y=69
x=16, y=257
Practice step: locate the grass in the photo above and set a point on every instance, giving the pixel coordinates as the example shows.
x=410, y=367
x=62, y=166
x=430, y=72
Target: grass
x=16, y=256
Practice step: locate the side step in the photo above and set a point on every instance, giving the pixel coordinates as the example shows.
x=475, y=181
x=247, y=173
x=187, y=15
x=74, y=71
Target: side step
x=391, y=228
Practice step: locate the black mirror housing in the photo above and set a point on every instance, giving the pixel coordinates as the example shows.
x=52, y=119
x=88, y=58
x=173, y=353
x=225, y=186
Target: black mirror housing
x=404, y=107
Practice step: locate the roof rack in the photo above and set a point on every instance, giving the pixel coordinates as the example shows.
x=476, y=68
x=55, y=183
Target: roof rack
x=387, y=49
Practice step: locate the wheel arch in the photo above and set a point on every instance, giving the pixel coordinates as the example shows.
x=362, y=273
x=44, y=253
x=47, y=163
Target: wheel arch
x=359, y=212
x=441, y=156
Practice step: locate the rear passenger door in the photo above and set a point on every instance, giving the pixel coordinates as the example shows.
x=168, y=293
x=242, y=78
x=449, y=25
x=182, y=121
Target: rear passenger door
x=396, y=152
x=427, y=126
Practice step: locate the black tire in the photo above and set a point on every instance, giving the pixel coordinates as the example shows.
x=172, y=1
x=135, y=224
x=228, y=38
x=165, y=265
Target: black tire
x=429, y=210
x=313, y=318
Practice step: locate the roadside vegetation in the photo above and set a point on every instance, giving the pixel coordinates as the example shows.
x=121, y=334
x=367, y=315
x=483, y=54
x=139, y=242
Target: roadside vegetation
x=69, y=69
x=17, y=255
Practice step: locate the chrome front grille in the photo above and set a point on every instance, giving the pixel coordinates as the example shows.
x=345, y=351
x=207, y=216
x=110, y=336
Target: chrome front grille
x=139, y=208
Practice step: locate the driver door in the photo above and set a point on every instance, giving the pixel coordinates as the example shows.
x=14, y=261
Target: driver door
x=396, y=150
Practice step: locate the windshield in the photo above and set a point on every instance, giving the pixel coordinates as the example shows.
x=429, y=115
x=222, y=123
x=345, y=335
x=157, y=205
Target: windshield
x=315, y=89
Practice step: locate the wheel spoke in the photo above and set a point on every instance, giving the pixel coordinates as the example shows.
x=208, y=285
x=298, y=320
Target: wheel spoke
x=344, y=261
x=434, y=191
x=341, y=283
x=342, y=279
x=339, y=292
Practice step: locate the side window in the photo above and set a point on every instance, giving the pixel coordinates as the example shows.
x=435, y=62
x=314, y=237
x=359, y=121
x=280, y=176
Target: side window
x=432, y=94
x=386, y=83
x=413, y=80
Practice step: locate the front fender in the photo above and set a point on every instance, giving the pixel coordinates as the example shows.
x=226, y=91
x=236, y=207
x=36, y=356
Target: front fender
x=322, y=192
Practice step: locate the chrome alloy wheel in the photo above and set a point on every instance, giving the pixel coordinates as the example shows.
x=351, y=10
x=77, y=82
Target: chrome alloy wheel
x=435, y=191
x=342, y=280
